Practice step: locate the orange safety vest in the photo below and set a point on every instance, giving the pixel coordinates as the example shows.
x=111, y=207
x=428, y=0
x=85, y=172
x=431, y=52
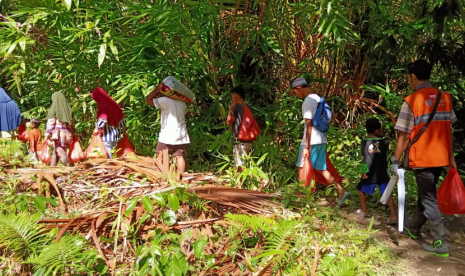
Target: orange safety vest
x=434, y=146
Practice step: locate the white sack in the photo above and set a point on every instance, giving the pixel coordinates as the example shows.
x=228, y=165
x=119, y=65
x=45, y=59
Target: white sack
x=179, y=87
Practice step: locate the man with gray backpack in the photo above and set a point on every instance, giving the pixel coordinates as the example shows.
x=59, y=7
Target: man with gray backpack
x=317, y=115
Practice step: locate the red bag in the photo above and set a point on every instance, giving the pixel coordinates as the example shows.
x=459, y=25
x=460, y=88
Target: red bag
x=22, y=133
x=249, y=129
x=124, y=148
x=310, y=175
x=451, y=194
x=96, y=148
x=332, y=170
x=44, y=153
x=75, y=151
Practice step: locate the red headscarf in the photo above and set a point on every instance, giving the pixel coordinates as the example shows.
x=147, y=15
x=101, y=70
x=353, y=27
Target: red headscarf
x=108, y=109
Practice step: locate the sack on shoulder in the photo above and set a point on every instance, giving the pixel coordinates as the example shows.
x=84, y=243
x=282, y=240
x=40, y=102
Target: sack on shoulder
x=249, y=129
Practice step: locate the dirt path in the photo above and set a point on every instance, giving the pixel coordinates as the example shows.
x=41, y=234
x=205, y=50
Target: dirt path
x=418, y=262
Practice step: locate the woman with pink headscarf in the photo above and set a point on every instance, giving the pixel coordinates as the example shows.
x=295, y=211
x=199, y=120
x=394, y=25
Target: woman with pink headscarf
x=110, y=119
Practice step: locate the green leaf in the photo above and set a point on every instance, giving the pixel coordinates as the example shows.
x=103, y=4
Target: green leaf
x=41, y=203
x=22, y=43
x=210, y=261
x=159, y=199
x=169, y=217
x=328, y=191
x=173, y=202
x=131, y=206
x=101, y=54
x=260, y=161
x=270, y=253
x=199, y=247
x=68, y=4
x=148, y=204
x=371, y=223
x=113, y=49
x=12, y=48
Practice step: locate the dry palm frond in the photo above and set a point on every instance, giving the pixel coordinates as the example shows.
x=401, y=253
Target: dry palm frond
x=99, y=192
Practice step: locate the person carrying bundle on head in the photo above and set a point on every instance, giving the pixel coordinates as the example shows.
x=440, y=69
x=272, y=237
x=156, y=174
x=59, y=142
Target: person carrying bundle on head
x=170, y=96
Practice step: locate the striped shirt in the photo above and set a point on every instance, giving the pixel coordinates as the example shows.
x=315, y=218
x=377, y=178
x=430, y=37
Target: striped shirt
x=406, y=120
x=110, y=133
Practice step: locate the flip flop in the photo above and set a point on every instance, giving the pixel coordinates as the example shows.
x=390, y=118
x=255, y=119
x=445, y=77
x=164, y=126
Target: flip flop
x=365, y=215
x=391, y=222
x=341, y=201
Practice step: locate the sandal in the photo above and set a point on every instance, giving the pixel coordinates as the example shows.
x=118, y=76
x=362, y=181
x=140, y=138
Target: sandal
x=391, y=222
x=365, y=215
x=341, y=201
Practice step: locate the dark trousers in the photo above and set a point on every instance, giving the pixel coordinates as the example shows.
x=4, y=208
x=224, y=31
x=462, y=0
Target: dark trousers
x=427, y=207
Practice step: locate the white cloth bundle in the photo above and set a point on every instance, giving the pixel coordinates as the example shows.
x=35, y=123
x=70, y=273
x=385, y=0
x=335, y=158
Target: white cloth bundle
x=179, y=87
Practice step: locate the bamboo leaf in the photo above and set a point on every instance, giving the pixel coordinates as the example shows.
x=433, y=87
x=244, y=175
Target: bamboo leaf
x=101, y=54
x=22, y=43
x=12, y=48
x=113, y=49
x=68, y=4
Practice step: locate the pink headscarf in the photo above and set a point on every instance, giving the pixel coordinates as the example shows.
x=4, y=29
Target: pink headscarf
x=108, y=109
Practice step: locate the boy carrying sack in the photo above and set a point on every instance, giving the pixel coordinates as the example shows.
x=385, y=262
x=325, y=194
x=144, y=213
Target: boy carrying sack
x=374, y=168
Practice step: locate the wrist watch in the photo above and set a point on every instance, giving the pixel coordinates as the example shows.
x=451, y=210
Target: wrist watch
x=395, y=161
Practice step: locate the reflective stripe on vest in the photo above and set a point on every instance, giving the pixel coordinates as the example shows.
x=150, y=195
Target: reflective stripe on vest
x=439, y=116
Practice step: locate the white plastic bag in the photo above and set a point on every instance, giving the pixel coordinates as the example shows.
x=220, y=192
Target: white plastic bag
x=388, y=191
x=401, y=198
x=179, y=87
x=398, y=178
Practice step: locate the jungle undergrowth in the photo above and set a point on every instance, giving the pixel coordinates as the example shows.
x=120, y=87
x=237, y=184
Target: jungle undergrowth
x=286, y=242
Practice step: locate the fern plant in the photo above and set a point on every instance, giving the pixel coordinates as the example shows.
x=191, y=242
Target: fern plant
x=255, y=222
x=68, y=256
x=21, y=235
x=278, y=242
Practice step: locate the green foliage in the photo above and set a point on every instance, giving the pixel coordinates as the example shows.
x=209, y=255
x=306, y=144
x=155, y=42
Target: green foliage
x=25, y=242
x=21, y=235
x=157, y=260
x=41, y=203
x=352, y=52
x=63, y=257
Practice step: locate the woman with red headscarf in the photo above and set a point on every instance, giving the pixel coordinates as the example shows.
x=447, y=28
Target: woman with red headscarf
x=110, y=119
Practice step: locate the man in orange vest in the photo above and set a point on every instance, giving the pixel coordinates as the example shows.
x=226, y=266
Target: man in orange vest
x=432, y=151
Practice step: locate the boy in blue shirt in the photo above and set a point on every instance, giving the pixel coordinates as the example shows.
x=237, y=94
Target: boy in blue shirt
x=374, y=168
